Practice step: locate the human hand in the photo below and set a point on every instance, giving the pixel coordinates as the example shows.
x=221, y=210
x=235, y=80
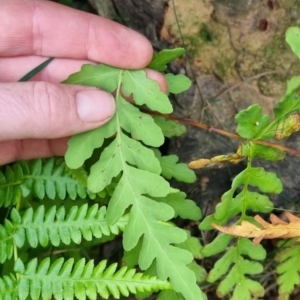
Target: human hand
x=37, y=117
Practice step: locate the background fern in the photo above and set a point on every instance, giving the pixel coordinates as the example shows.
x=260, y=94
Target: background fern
x=288, y=269
x=49, y=178
x=64, y=280
x=240, y=200
x=234, y=267
x=55, y=227
x=8, y=287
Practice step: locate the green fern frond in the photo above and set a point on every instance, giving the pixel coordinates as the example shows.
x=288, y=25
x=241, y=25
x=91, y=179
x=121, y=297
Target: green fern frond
x=66, y=280
x=45, y=178
x=237, y=202
x=6, y=240
x=55, y=227
x=8, y=288
x=237, y=269
x=231, y=206
x=140, y=182
x=288, y=268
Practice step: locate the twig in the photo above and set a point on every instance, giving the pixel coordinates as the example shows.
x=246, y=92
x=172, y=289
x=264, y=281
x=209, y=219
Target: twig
x=225, y=133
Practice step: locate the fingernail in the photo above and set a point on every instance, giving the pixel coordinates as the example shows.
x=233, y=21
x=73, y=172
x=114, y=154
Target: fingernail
x=94, y=105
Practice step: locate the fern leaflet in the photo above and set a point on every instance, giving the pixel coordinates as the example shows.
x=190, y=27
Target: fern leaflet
x=55, y=227
x=237, y=268
x=44, y=178
x=8, y=288
x=288, y=268
x=171, y=168
x=66, y=280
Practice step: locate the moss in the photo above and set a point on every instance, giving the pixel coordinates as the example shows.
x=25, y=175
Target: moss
x=204, y=34
x=199, y=41
x=289, y=4
x=224, y=67
x=275, y=48
x=193, y=45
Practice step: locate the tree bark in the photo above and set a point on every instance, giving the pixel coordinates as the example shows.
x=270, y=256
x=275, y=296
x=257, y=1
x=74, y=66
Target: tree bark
x=146, y=16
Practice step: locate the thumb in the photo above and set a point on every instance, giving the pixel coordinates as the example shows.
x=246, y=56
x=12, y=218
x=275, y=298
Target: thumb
x=45, y=110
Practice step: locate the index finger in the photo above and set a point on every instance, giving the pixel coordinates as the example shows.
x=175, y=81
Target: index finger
x=48, y=29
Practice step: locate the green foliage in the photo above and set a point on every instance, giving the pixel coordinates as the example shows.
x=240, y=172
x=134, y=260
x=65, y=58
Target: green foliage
x=288, y=269
x=194, y=246
x=235, y=267
x=177, y=83
x=126, y=171
x=240, y=200
x=43, y=178
x=55, y=227
x=251, y=122
x=170, y=168
x=234, y=270
x=8, y=287
x=184, y=208
x=66, y=280
x=140, y=171
x=169, y=128
x=161, y=59
x=292, y=38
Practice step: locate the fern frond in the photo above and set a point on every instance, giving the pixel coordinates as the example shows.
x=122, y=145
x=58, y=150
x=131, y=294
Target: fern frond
x=45, y=178
x=252, y=125
x=55, y=227
x=231, y=206
x=140, y=181
x=8, y=288
x=236, y=269
x=288, y=268
x=66, y=280
x=6, y=240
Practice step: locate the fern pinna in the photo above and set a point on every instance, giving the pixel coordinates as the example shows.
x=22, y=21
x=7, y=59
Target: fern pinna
x=130, y=174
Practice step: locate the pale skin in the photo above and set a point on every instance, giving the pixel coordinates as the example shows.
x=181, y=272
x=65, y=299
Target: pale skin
x=38, y=117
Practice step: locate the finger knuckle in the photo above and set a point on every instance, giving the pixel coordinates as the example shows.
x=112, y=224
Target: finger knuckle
x=49, y=103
